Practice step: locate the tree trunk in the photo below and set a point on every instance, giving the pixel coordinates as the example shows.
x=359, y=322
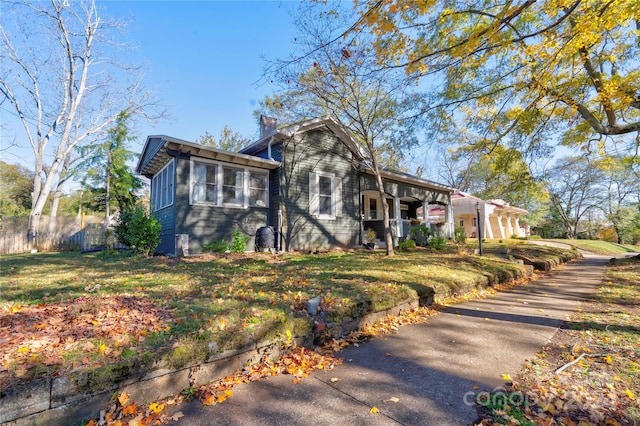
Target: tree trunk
x=54, y=210
x=385, y=213
x=106, y=203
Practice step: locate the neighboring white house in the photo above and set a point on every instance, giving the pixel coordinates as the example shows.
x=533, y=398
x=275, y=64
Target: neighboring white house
x=497, y=218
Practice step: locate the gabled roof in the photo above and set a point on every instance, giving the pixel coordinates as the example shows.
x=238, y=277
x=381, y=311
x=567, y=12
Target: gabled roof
x=286, y=132
x=347, y=138
x=158, y=149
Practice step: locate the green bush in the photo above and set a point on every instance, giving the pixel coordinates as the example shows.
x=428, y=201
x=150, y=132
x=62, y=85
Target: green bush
x=239, y=242
x=437, y=243
x=420, y=234
x=216, y=246
x=458, y=235
x=407, y=245
x=138, y=230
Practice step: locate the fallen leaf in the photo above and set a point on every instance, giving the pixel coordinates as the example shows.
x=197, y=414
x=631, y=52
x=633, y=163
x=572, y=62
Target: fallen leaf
x=209, y=399
x=506, y=377
x=392, y=399
x=123, y=398
x=334, y=379
x=130, y=410
x=156, y=408
x=630, y=394
x=374, y=410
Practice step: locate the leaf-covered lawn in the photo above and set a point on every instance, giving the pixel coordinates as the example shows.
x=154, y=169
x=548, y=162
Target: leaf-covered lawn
x=68, y=311
x=590, y=373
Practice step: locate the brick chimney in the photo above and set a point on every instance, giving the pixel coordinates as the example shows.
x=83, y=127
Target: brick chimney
x=268, y=125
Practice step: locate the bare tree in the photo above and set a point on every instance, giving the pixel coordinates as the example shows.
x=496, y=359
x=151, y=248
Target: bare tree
x=60, y=75
x=342, y=79
x=574, y=190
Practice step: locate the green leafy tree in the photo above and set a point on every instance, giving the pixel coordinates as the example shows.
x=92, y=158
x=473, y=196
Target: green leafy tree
x=16, y=183
x=619, y=188
x=229, y=140
x=138, y=230
x=519, y=73
x=503, y=174
x=106, y=175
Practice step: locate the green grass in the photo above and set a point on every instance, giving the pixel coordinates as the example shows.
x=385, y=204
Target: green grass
x=599, y=246
x=69, y=311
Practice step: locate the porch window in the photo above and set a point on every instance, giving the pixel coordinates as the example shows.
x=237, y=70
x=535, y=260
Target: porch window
x=162, y=187
x=325, y=195
x=205, y=183
x=475, y=222
x=217, y=184
x=258, y=189
x=232, y=186
x=373, y=208
x=462, y=222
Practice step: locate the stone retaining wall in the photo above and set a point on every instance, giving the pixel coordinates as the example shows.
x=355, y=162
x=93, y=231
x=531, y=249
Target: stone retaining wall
x=64, y=400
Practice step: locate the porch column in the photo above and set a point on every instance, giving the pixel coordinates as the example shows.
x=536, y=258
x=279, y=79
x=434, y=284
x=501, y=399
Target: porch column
x=509, y=232
x=449, y=221
x=425, y=211
x=397, y=216
x=517, y=226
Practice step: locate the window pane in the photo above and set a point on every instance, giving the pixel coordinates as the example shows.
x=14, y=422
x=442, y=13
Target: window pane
x=163, y=188
x=258, y=181
x=232, y=186
x=373, y=208
x=198, y=192
x=324, y=205
x=204, y=185
x=258, y=197
x=258, y=189
x=324, y=185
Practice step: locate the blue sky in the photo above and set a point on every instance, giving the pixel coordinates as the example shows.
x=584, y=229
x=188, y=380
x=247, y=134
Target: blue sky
x=206, y=57
x=203, y=58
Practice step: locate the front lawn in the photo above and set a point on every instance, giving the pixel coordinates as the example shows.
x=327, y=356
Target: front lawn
x=599, y=246
x=69, y=311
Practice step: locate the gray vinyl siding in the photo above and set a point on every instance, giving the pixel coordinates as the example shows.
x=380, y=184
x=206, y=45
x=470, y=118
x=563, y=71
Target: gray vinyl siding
x=318, y=151
x=166, y=216
x=204, y=223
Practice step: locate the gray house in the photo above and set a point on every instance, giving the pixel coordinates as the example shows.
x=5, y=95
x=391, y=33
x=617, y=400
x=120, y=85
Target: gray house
x=305, y=180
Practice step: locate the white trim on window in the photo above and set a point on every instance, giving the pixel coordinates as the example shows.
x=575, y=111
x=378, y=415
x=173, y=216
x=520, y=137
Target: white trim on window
x=162, y=186
x=316, y=198
x=241, y=173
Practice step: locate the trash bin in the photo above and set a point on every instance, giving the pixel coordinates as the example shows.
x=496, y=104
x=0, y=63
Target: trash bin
x=265, y=238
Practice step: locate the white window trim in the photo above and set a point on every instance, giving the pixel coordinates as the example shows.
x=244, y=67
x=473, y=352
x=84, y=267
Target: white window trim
x=219, y=184
x=314, y=195
x=367, y=208
x=157, y=186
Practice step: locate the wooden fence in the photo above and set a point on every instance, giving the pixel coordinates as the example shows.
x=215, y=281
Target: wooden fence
x=70, y=234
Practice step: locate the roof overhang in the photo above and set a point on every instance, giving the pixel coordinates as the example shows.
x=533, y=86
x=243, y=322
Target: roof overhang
x=414, y=181
x=172, y=147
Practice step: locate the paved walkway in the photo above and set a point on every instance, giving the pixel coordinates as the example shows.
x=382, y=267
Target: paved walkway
x=429, y=369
